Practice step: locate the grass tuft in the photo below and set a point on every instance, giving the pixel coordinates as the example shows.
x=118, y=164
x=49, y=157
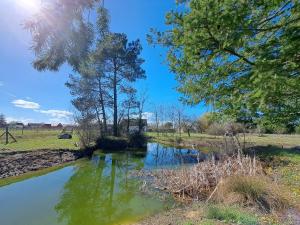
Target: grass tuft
x=231, y=215
x=257, y=192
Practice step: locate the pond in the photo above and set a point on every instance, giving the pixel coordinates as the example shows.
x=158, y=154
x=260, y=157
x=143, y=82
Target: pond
x=99, y=191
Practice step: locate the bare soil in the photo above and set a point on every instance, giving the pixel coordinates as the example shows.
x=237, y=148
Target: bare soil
x=18, y=163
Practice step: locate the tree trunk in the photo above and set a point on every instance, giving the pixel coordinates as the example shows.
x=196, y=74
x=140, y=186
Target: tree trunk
x=128, y=119
x=102, y=108
x=115, y=125
x=99, y=121
x=140, y=123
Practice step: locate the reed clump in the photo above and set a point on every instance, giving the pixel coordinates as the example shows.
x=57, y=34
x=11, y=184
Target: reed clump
x=237, y=180
x=199, y=182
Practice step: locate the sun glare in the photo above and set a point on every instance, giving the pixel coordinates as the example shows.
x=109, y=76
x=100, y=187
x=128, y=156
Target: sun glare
x=32, y=5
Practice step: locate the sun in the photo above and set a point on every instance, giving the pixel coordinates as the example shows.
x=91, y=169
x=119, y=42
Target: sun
x=30, y=5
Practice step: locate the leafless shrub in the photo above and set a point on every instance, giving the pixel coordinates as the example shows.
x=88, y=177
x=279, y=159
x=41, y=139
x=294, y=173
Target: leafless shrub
x=216, y=129
x=86, y=131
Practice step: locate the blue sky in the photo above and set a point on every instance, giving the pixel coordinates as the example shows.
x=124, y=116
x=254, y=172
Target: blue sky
x=31, y=96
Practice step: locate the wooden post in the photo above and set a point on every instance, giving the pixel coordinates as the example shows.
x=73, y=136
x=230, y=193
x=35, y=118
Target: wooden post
x=6, y=135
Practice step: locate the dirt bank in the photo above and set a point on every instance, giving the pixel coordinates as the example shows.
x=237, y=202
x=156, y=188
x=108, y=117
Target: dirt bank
x=17, y=163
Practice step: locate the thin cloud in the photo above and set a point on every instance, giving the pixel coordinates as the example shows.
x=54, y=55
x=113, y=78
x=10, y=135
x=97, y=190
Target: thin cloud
x=59, y=114
x=148, y=116
x=1, y=83
x=19, y=119
x=25, y=104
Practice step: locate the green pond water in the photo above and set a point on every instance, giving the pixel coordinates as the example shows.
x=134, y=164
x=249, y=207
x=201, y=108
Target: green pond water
x=98, y=191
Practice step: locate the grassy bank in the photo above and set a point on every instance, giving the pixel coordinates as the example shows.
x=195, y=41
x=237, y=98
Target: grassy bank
x=281, y=167
x=279, y=140
x=39, y=139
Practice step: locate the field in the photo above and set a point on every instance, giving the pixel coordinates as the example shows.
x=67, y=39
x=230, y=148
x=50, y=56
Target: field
x=279, y=140
x=47, y=139
x=39, y=139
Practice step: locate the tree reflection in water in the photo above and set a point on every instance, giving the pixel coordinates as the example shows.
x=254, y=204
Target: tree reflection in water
x=101, y=192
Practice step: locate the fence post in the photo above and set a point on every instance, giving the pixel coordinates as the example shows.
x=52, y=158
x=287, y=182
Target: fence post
x=6, y=135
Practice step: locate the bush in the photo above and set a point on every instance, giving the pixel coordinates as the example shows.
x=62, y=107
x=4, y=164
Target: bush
x=231, y=215
x=234, y=128
x=297, y=129
x=222, y=129
x=137, y=140
x=178, y=140
x=252, y=191
x=280, y=130
x=216, y=129
x=111, y=143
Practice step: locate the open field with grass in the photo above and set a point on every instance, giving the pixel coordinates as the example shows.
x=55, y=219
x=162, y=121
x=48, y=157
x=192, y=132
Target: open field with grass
x=39, y=139
x=279, y=140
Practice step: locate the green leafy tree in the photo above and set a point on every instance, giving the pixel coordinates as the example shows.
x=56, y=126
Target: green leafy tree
x=240, y=56
x=122, y=65
x=91, y=92
x=205, y=121
x=89, y=85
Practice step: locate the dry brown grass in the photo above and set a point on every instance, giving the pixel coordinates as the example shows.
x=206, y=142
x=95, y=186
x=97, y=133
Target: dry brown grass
x=238, y=180
x=253, y=191
x=200, y=181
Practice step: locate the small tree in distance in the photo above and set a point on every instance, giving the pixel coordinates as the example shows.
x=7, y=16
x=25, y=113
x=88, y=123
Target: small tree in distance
x=2, y=121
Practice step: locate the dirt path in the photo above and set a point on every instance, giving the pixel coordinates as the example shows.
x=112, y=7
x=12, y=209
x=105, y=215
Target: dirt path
x=17, y=163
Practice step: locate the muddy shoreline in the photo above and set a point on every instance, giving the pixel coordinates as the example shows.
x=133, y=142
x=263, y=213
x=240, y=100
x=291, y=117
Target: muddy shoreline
x=18, y=163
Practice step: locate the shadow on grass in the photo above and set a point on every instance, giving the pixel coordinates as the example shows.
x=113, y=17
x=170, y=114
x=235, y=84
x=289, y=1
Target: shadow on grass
x=275, y=156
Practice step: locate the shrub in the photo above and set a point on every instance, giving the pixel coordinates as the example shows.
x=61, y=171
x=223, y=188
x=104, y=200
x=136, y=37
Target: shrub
x=280, y=130
x=222, y=129
x=111, y=143
x=137, y=140
x=234, y=128
x=297, y=129
x=231, y=215
x=178, y=140
x=255, y=191
x=216, y=129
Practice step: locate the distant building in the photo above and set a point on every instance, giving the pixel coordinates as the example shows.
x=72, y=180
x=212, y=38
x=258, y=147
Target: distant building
x=59, y=126
x=16, y=125
x=133, y=125
x=35, y=125
x=47, y=126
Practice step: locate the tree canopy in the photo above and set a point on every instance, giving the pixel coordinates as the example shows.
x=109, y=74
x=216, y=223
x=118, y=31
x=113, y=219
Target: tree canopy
x=61, y=33
x=240, y=56
x=105, y=76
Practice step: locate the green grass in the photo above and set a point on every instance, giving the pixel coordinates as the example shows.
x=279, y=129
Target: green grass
x=207, y=222
x=253, y=139
x=284, y=164
x=38, y=139
x=231, y=215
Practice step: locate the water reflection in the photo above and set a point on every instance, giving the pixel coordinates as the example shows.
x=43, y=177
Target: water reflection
x=99, y=191
x=160, y=156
